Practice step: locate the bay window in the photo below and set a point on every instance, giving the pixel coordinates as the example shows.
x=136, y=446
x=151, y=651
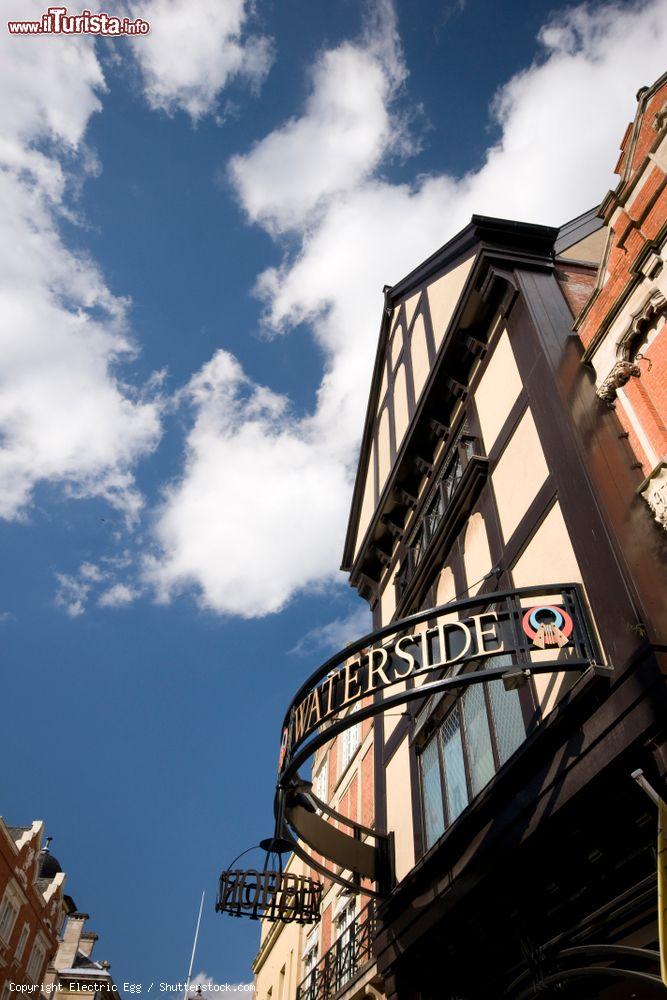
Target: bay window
x=479, y=733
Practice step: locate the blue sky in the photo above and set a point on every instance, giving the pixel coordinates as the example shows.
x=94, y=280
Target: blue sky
x=196, y=230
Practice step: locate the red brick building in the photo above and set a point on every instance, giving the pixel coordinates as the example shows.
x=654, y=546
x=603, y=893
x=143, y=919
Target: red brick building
x=32, y=906
x=623, y=324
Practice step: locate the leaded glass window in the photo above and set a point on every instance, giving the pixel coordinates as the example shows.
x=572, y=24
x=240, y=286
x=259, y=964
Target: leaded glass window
x=455, y=770
x=508, y=721
x=478, y=741
x=434, y=818
x=480, y=732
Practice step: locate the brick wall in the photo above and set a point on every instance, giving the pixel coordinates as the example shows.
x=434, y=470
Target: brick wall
x=624, y=320
x=40, y=905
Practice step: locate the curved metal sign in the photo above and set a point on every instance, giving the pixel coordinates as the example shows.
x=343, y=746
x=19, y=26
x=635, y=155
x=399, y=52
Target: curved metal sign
x=444, y=640
x=449, y=647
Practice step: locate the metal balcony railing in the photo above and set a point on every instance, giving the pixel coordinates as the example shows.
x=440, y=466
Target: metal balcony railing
x=348, y=955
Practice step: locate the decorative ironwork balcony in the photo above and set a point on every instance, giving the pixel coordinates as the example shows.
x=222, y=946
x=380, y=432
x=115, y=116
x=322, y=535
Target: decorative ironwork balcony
x=348, y=955
x=440, y=504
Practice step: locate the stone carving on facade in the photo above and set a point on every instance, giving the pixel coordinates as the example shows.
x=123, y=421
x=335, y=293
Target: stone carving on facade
x=619, y=376
x=643, y=319
x=655, y=494
x=660, y=118
x=646, y=317
x=22, y=872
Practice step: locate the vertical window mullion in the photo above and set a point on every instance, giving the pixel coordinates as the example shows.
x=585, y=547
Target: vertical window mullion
x=497, y=763
x=464, y=743
x=443, y=777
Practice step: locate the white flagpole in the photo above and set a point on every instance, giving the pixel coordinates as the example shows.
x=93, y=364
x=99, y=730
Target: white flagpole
x=194, y=948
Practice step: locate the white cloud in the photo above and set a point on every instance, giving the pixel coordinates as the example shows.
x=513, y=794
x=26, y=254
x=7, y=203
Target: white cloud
x=118, y=596
x=339, y=138
x=250, y=470
x=335, y=634
x=96, y=581
x=260, y=509
x=74, y=589
x=65, y=417
x=194, y=49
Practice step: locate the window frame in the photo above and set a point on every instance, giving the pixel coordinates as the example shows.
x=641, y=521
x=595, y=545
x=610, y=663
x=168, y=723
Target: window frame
x=347, y=755
x=24, y=937
x=11, y=899
x=38, y=946
x=457, y=706
x=322, y=777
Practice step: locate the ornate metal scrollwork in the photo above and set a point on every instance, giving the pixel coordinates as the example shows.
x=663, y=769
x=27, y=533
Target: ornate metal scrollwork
x=269, y=895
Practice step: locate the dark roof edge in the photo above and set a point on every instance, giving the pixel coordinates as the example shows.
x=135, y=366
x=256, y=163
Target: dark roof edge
x=359, y=478
x=578, y=229
x=481, y=229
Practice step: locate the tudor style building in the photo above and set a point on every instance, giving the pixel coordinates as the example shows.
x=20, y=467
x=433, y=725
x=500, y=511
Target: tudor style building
x=496, y=480
x=524, y=850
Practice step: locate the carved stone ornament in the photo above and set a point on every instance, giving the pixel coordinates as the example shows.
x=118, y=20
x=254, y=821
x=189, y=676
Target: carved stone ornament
x=620, y=374
x=655, y=494
x=653, y=307
x=660, y=118
x=22, y=872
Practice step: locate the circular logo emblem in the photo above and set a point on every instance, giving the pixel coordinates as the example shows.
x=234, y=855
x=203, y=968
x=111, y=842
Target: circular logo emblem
x=547, y=625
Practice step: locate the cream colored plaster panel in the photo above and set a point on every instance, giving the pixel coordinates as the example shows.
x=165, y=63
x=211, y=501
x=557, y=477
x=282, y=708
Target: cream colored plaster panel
x=446, y=590
x=396, y=345
x=388, y=601
x=392, y=718
x=520, y=472
x=383, y=449
x=549, y=687
x=477, y=555
x=549, y=556
x=497, y=391
x=368, y=503
x=591, y=248
x=400, y=405
x=443, y=294
x=383, y=387
x=410, y=306
x=399, y=811
x=419, y=352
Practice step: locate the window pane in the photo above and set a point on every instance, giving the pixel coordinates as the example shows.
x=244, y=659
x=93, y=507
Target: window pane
x=349, y=744
x=322, y=781
x=507, y=714
x=8, y=914
x=455, y=775
x=478, y=738
x=434, y=820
